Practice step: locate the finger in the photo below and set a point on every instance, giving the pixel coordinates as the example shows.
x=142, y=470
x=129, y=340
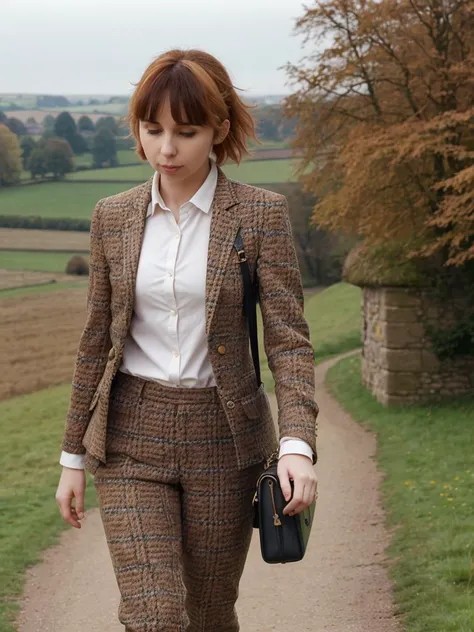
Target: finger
x=297, y=497
x=80, y=505
x=285, y=485
x=68, y=513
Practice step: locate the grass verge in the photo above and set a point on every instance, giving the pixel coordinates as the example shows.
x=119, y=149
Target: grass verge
x=427, y=454
x=32, y=427
x=333, y=317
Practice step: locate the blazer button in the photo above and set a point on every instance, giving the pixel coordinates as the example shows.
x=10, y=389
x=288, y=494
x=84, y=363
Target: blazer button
x=112, y=354
x=221, y=349
x=230, y=404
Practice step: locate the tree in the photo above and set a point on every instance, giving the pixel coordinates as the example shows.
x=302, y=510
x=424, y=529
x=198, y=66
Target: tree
x=107, y=122
x=3, y=117
x=37, y=163
x=85, y=124
x=65, y=127
x=52, y=155
x=27, y=145
x=31, y=120
x=321, y=254
x=16, y=126
x=48, y=123
x=386, y=122
x=79, y=144
x=10, y=157
x=58, y=157
x=104, y=148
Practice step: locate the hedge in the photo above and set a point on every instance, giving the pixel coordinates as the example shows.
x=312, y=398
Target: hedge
x=44, y=223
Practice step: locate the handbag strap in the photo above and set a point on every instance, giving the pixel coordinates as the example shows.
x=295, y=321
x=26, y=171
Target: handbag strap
x=251, y=298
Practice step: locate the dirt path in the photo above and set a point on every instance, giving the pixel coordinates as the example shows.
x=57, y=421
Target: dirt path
x=340, y=586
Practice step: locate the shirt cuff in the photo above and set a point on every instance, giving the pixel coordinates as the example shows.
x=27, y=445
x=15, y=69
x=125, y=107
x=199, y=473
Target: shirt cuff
x=76, y=461
x=292, y=445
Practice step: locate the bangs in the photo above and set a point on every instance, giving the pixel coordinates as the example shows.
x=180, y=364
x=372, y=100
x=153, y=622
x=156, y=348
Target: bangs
x=188, y=102
x=200, y=92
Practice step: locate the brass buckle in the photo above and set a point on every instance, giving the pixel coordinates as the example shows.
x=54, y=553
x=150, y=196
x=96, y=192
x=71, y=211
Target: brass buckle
x=271, y=459
x=241, y=255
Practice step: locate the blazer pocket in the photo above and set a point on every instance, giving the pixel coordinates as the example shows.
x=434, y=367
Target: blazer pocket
x=255, y=404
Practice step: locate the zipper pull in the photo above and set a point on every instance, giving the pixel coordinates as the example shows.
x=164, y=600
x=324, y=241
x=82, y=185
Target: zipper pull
x=276, y=517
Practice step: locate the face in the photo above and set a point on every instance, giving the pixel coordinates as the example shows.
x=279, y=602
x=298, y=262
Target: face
x=178, y=152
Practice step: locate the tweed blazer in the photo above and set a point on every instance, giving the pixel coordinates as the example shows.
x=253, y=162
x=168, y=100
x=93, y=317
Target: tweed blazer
x=117, y=228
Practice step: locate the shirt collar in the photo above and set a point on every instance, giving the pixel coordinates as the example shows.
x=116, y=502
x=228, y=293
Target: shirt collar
x=202, y=199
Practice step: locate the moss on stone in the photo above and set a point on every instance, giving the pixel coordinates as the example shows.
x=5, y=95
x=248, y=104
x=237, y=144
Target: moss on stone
x=386, y=265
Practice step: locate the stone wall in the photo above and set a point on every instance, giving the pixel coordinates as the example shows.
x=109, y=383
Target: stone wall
x=398, y=365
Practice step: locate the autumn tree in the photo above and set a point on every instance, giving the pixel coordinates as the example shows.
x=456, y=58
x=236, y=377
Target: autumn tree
x=386, y=122
x=10, y=157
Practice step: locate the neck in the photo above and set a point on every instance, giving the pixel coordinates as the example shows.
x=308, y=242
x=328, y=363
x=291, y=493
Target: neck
x=175, y=194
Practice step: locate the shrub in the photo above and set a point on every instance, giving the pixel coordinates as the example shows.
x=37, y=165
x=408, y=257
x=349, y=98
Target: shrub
x=77, y=265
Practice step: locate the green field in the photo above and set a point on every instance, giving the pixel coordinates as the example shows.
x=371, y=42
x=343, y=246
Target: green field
x=125, y=156
x=427, y=455
x=251, y=172
x=38, y=261
x=56, y=199
x=137, y=174
x=77, y=200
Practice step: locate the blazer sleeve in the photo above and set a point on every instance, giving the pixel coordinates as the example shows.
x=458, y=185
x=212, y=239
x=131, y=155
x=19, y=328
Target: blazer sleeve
x=94, y=342
x=285, y=330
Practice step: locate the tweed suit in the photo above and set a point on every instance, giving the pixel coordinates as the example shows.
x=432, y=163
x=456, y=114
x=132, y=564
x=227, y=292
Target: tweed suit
x=117, y=228
x=175, y=468
x=176, y=510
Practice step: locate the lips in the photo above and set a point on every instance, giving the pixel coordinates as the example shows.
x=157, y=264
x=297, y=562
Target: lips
x=170, y=168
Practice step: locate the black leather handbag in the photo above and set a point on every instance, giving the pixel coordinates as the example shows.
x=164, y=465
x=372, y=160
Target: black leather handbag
x=283, y=538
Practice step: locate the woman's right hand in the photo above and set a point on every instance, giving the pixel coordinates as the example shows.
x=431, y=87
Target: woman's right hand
x=72, y=484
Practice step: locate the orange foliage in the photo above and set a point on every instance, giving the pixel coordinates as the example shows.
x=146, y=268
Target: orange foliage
x=386, y=121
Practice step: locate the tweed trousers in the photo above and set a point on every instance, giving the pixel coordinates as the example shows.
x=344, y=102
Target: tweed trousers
x=177, y=512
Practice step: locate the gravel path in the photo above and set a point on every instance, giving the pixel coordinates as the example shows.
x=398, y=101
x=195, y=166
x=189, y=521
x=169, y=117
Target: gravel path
x=340, y=586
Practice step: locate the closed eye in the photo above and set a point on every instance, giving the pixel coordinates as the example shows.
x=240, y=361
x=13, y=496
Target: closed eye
x=154, y=132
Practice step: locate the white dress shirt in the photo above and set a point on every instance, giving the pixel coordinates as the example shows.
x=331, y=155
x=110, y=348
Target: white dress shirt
x=167, y=340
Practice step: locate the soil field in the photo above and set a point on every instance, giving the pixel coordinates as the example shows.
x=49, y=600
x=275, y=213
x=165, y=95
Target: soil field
x=10, y=279
x=40, y=335
x=29, y=239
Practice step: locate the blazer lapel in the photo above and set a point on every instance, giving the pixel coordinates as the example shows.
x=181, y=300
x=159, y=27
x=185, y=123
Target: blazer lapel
x=224, y=226
x=132, y=241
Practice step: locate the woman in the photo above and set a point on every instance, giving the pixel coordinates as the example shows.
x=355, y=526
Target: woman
x=165, y=411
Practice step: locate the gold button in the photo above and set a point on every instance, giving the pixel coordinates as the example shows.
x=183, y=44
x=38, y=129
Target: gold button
x=221, y=349
x=112, y=354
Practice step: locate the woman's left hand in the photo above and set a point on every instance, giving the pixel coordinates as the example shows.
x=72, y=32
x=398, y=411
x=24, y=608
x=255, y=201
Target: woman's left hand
x=300, y=469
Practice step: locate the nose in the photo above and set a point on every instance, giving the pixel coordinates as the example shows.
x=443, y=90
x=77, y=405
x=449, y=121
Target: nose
x=168, y=148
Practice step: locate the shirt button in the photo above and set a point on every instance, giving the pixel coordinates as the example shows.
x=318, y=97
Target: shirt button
x=177, y=235
x=176, y=354
x=221, y=349
x=230, y=404
x=170, y=274
x=173, y=312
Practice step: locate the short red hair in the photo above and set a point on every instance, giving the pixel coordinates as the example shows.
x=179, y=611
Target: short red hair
x=200, y=92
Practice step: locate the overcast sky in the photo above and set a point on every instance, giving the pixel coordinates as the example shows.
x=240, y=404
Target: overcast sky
x=103, y=46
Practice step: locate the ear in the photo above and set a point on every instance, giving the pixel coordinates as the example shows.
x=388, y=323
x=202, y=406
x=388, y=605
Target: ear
x=221, y=134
